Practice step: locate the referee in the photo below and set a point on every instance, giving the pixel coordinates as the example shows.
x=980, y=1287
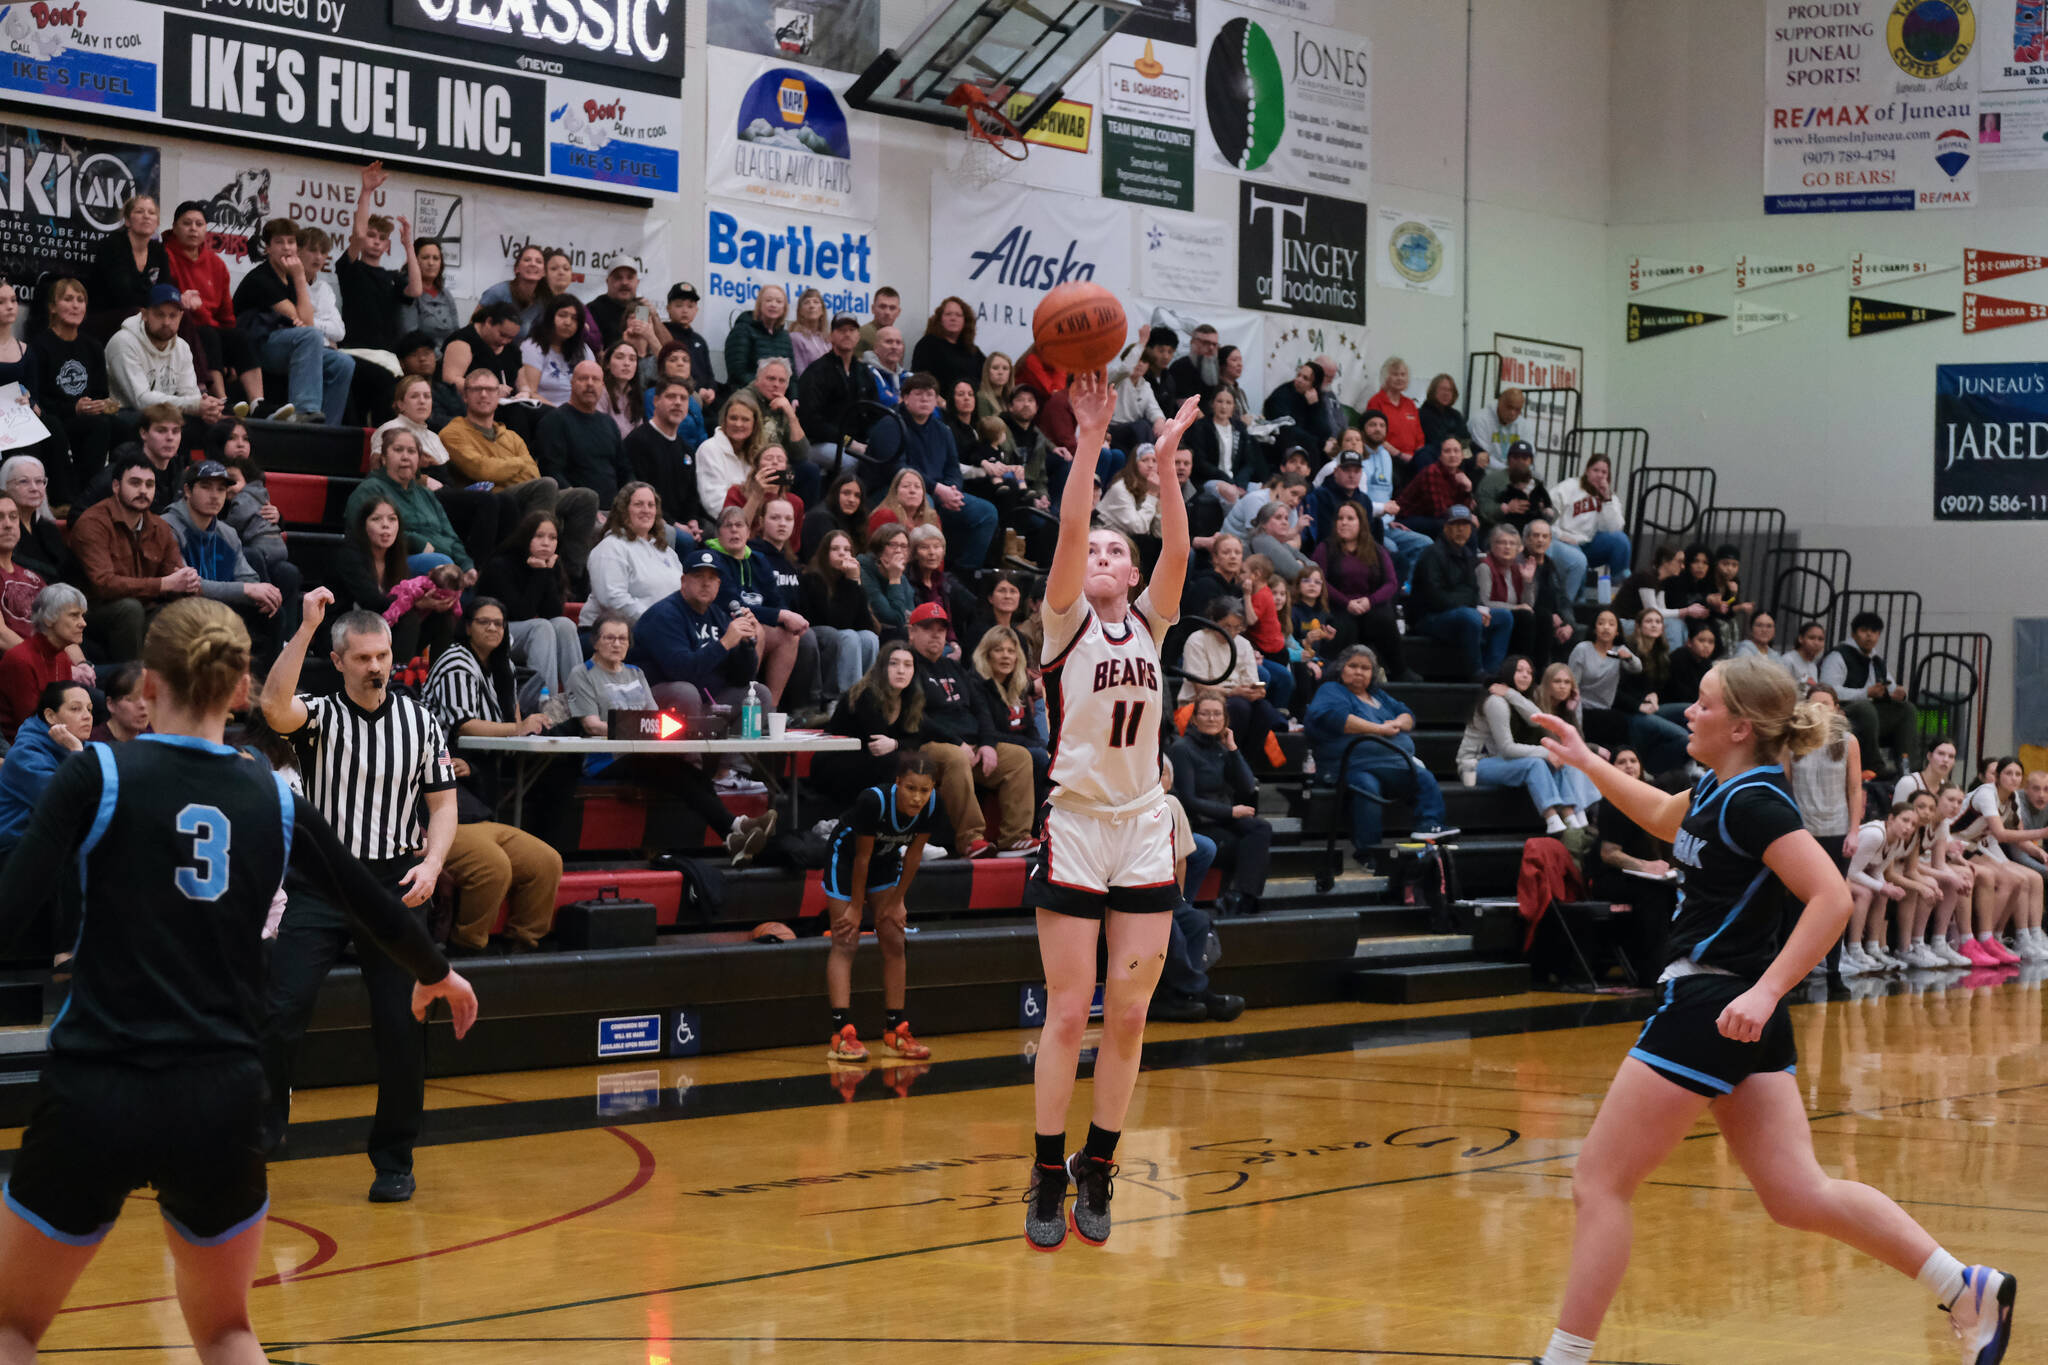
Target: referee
x=377, y=767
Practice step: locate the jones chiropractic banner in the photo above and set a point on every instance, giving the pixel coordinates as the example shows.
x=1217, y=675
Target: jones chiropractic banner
x=1001, y=248
x=59, y=195
x=748, y=248
x=783, y=137
x=348, y=82
x=1991, y=442
x=1286, y=100
x=1870, y=105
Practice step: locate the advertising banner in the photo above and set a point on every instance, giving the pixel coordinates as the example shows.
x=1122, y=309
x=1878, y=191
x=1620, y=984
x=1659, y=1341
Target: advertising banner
x=749, y=247
x=1148, y=109
x=1286, y=101
x=1180, y=257
x=1002, y=248
x=1647, y=321
x=1991, y=442
x=2012, y=130
x=1871, y=106
x=2012, y=82
x=59, y=194
x=844, y=35
x=1542, y=370
x=1867, y=269
x=784, y=138
x=1868, y=317
x=1170, y=21
x=1289, y=343
x=633, y=35
x=1300, y=253
x=1064, y=154
x=1415, y=252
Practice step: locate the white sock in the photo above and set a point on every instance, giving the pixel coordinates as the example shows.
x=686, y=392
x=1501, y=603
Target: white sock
x=1983, y=936
x=1577, y=820
x=1566, y=1349
x=1942, y=1275
x=1871, y=947
x=1552, y=825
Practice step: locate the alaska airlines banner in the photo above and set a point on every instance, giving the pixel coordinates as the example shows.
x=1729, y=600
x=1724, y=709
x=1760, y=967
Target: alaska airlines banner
x=1991, y=442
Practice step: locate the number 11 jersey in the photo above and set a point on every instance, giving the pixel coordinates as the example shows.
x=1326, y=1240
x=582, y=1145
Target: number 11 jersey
x=1104, y=703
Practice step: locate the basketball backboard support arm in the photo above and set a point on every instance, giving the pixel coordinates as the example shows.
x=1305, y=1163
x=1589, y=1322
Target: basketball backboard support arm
x=1002, y=46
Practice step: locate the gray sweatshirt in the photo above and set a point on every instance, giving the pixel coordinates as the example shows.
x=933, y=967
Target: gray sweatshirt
x=1599, y=675
x=1487, y=734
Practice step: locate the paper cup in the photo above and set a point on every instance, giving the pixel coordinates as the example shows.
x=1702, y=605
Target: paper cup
x=778, y=724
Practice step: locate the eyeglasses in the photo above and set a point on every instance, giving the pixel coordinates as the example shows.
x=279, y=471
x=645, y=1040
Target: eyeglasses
x=32, y=480
x=486, y=623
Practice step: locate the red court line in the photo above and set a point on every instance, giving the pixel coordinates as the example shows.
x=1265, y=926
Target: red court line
x=325, y=1247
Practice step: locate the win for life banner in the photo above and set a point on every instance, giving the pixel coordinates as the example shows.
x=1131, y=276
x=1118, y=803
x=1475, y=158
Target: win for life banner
x=1285, y=100
x=784, y=138
x=1871, y=106
x=1991, y=442
x=59, y=195
x=1002, y=248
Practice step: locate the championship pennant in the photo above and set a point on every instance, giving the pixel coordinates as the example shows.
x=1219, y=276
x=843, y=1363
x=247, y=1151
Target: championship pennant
x=1647, y=320
x=1982, y=313
x=1654, y=272
x=1981, y=267
x=1750, y=318
x=1868, y=317
x=1761, y=272
x=1867, y=271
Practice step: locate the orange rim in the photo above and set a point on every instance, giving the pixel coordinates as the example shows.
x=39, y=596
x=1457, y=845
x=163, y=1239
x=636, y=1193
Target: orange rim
x=986, y=123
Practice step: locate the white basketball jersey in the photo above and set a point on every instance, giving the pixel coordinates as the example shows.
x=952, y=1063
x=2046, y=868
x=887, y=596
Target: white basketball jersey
x=1104, y=701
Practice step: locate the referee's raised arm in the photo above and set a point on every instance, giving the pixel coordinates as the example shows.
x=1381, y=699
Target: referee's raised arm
x=280, y=699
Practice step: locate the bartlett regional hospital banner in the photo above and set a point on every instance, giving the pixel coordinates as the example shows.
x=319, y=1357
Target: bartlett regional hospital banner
x=1871, y=105
x=1991, y=442
x=581, y=107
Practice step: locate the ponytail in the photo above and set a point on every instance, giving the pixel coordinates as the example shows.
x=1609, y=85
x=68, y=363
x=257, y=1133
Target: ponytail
x=200, y=649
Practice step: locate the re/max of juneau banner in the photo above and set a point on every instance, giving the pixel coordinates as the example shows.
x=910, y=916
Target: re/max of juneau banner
x=1870, y=105
x=339, y=77
x=1991, y=442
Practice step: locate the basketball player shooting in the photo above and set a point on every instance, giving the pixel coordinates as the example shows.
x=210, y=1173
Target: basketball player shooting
x=1108, y=857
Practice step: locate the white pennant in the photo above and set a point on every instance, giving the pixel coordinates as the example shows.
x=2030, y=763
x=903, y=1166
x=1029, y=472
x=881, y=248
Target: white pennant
x=1761, y=272
x=1750, y=318
x=1655, y=272
x=1866, y=270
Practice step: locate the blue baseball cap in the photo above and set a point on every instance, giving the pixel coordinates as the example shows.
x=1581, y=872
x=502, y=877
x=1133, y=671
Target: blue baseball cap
x=701, y=559
x=166, y=293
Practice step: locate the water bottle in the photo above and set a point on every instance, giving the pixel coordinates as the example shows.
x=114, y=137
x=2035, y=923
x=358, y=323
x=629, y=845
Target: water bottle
x=752, y=711
x=1606, y=592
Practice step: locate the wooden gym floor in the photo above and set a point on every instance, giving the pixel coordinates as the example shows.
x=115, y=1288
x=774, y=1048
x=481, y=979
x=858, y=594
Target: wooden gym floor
x=1351, y=1183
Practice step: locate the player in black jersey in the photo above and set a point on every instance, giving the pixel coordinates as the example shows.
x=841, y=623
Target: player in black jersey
x=1721, y=1036
x=155, y=1075
x=875, y=853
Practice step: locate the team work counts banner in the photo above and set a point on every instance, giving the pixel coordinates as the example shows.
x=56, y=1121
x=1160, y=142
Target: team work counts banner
x=1991, y=442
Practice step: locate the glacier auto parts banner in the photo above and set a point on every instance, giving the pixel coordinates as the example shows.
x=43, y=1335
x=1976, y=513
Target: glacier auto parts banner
x=59, y=195
x=1285, y=100
x=1871, y=105
x=1002, y=248
x=748, y=248
x=783, y=137
x=1991, y=442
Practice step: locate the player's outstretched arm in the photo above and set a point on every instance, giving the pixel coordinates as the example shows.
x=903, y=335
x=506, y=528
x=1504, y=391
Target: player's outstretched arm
x=1094, y=404
x=1170, y=574
x=1657, y=811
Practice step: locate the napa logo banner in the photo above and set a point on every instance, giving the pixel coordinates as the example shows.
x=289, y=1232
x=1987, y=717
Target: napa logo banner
x=1871, y=105
x=784, y=138
x=1285, y=100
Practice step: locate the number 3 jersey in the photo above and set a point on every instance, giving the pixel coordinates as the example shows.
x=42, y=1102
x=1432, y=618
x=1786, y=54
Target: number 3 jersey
x=1103, y=701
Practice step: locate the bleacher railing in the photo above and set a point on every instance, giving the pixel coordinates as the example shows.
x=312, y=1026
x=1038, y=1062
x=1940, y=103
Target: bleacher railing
x=1552, y=414
x=1668, y=503
x=1626, y=448
x=1482, y=380
x=1945, y=680
x=1804, y=585
x=1899, y=608
x=1757, y=533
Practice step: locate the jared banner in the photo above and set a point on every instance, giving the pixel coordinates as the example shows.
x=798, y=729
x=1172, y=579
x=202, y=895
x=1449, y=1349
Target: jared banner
x=1868, y=317
x=1991, y=442
x=59, y=195
x=1001, y=248
x=1646, y=320
x=1871, y=105
x=782, y=137
x=1287, y=101
x=1300, y=253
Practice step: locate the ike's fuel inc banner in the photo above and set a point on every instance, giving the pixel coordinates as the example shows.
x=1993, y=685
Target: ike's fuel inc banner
x=1991, y=442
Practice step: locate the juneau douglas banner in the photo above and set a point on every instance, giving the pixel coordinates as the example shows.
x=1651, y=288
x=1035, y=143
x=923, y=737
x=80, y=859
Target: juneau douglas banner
x=1991, y=442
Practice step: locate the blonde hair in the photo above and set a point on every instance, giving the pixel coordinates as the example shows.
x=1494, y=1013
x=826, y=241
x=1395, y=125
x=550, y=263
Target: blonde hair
x=1763, y=693
x=926, y=515
x=758, y=440
x=1544, y=701
x=1014, y=686
x=200, y=648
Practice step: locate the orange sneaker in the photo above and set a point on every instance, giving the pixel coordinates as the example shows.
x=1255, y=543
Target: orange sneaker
x=846, y=1047
x=899, y=1041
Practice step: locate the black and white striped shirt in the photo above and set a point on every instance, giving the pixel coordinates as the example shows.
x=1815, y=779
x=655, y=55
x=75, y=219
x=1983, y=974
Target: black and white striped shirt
x=457, y=690
x=369, y=772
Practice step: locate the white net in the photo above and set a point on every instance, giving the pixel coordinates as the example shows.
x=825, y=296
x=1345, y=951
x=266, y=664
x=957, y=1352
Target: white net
x=984, y=162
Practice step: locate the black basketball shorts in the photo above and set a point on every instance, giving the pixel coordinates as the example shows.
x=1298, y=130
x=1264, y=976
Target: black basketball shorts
x=102, y=1129
x=1682, y=1043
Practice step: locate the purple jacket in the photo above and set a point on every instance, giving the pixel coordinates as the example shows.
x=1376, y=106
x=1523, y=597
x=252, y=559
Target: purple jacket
x=1348, y=579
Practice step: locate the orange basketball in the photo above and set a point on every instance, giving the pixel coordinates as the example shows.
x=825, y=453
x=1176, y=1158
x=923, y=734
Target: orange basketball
x=1079, y=327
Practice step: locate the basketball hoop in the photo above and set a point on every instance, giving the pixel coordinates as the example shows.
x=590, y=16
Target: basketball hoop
x=995, y=144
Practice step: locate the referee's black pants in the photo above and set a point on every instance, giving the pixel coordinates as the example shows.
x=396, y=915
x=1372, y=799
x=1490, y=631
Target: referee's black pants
x=309, y=942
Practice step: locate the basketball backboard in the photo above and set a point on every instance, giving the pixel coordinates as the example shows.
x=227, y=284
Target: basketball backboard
x=1009, y=48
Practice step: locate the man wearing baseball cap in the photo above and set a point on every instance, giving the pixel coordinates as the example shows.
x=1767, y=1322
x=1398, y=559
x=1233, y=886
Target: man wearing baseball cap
x=690, y=647
x=1445, y=605
x=212, y=548
x=622, y=314
x=964, y=745
x=830, y=391
x=149, y=363
x=682, y=330
x=1511, y=493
